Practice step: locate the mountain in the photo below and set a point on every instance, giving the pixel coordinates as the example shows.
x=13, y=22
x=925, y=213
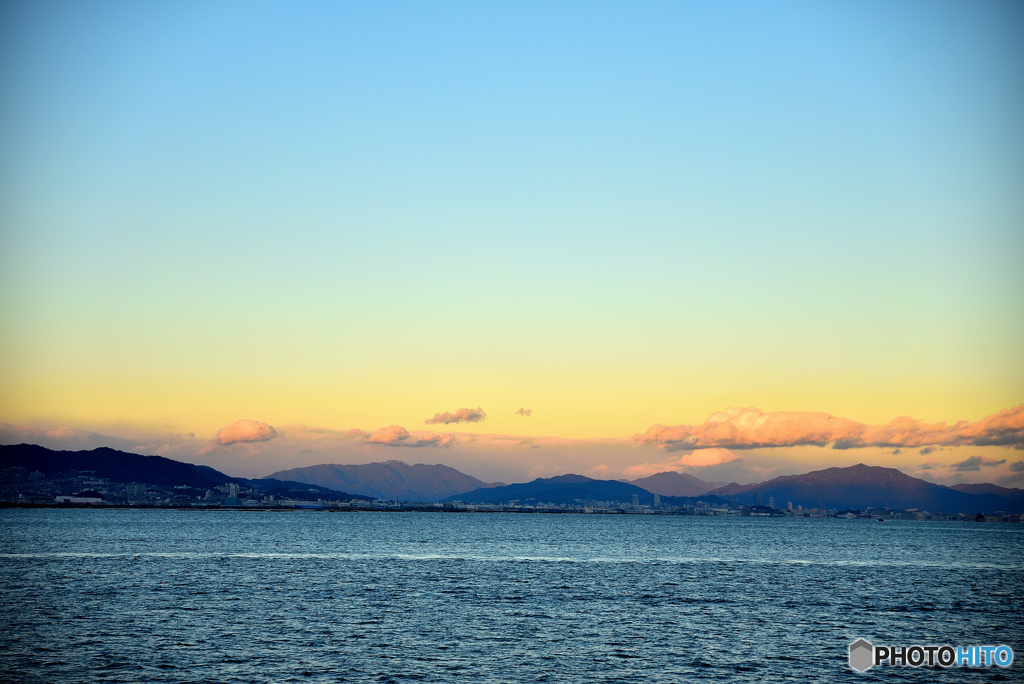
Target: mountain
x=125, y=467
x=1004, y=492
x=566, y=489
x=861, y=486
x=388, y=480
x=671, y=483
x=113, y=465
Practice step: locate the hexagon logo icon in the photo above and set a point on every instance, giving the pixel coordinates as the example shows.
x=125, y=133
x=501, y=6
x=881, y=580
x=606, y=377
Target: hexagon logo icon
x=862, y=655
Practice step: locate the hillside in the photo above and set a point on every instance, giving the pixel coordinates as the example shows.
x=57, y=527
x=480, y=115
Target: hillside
x=388, y=480
x=671, y=483
x=861, y=486
x=561, y=489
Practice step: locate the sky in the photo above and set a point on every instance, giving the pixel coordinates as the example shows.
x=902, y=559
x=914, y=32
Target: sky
x=596, y=237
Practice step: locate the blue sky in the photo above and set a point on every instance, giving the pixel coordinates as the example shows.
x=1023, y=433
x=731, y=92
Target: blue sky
x=350, y=214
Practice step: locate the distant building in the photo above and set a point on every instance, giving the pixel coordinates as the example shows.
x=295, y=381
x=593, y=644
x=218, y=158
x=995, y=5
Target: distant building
x=657, y=500
x=789, y=505
x=757, y=499
x=91, y=498
x=636, y=499
x=232, y=499
x=771, y=502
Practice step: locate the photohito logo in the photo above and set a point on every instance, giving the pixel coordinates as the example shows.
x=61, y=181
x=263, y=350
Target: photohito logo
x=863, y=654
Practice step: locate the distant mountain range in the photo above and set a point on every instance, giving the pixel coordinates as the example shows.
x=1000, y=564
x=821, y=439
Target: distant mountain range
x=1005, y=492
x=389, y=480
x=856, y=487
x=671, y=483
x=573, y=489
x=561, y=489
x=126, y=468
x=861, y=486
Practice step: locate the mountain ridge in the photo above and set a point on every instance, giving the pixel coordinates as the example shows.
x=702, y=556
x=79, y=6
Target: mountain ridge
x=567, y=488
x=861, y=486
x=854, y=487
x=125, y=467
x=672, y=483
x=388, y=479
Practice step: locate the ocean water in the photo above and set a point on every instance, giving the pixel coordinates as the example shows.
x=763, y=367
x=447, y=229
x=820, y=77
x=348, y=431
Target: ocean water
x=233, y=596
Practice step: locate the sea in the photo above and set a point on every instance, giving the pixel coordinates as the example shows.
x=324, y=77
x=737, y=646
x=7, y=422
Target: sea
x=124, y=595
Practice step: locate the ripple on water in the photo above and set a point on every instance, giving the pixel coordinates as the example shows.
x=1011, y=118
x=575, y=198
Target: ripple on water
x=174, y=597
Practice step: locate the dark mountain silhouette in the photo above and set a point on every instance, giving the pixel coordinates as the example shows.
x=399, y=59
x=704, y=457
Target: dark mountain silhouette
x=114, y=465
x=730, y=489
x=671, y=483
x=861, y=486
x=388, y=480
x=125, y=467
x=1005, y=492
x=856, y=487
x=566, y=489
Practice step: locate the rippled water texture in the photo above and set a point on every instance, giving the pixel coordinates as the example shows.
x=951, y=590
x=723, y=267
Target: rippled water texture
x=179, y=596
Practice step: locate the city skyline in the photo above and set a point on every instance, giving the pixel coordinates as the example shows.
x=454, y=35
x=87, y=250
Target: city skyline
x=521, y=239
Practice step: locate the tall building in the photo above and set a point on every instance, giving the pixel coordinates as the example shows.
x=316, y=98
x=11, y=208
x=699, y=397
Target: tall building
x=771, y=502
x=657, y=500
x=636, y=499
x=232, y=497
x=757, y=499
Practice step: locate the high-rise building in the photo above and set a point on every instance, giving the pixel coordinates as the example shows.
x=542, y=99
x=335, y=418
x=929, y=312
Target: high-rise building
x=636, y=499
x=757, y=499
x=657, y=500
x=771, y=502
x=789, y=505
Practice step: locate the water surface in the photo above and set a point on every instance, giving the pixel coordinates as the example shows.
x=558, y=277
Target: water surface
x=231, y=596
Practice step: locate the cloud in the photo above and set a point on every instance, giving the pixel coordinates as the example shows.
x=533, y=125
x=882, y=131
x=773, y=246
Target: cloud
x=1016, y=474
x=75, y=439
x=708, y=457
x=245, y=431
x=463, y=415
x=315, y=433
x=702, y=458
x=59, y=437
x=751, y=428
x=524, y=412
x=976, y=463
x=398, y=436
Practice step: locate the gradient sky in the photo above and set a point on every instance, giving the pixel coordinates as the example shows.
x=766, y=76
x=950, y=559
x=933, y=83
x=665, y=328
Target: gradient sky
x=336, y=216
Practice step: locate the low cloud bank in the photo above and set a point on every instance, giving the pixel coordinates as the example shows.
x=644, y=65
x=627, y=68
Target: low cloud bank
x=751, y=428
x=396, y=435
x=702, y=458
